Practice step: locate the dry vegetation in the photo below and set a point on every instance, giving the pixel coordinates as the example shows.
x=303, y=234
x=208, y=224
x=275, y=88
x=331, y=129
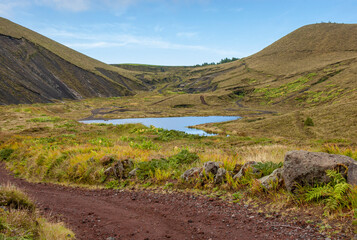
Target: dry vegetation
x=19, y=218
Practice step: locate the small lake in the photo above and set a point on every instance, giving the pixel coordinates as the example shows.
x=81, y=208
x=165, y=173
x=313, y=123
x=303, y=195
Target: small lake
x=171, y=123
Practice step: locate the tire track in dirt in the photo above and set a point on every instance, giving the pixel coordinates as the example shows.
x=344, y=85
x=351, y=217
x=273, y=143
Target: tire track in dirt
x=103, y=214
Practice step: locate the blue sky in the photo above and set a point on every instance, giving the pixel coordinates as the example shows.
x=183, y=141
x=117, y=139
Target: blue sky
x=172, y=32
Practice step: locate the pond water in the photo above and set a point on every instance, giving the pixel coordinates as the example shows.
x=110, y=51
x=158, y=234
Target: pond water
x=171, y=123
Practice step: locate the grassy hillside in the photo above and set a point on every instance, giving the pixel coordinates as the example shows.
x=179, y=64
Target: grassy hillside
x=312, y=65
x=311, y=72
x=9, y=28
x=37, y=69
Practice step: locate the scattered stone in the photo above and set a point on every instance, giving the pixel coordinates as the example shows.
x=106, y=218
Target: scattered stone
x=307, y=168
x=110, y=238
x=132, y=173
x=275, y=179
x=220, y=176
x=191, y=173
x=245, y=168
x=108, y=171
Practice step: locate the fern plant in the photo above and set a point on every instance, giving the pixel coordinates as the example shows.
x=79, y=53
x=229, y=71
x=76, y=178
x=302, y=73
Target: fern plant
x=266, y=168
x=335, y=195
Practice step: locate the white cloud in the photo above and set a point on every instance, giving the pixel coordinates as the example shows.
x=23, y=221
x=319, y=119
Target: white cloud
x=94, y=45
x=187, y=34
x=237, y=9
x=7, y=7
x=121, y=40
x=158, y=28
x=119, y=6
x=70, y=5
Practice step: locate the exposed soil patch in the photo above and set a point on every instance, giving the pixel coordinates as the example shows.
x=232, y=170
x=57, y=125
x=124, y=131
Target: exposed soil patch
x=100, y=214
x=203, y=101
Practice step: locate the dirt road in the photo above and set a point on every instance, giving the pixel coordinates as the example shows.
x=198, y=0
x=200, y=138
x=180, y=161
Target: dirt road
x=112, y=214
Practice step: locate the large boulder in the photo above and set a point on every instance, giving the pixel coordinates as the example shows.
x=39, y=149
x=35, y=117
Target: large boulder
x=275, y=179
x=308, y=168
x=352, y=174
x=248, y=167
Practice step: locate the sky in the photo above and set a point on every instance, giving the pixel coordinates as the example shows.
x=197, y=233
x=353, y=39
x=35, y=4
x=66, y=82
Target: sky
x=172, y=32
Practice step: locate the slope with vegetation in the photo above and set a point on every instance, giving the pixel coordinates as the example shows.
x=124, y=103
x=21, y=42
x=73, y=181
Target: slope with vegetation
x=36, y=69
x=310, y=73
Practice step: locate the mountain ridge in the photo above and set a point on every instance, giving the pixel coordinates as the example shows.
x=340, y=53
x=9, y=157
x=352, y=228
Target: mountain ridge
x=80, y=76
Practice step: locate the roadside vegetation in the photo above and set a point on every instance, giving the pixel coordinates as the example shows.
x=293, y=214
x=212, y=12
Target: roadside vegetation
x=19, y=218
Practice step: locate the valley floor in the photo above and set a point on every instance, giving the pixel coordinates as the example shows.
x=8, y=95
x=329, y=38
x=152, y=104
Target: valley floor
x=46, y=143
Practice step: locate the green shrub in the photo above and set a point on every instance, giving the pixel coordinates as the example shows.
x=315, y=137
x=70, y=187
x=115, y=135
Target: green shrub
x=114, y=184
x=102, y=141
x=164, y=134
x=45, y=119
x=146, y=169
x=308, y=122
x=183, y=157
x=175, y=162
x=144, y=144
x=267, y=167
x=5, y=153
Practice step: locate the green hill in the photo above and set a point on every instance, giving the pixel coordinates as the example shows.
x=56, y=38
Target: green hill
x=314, y=65
x=311, y=72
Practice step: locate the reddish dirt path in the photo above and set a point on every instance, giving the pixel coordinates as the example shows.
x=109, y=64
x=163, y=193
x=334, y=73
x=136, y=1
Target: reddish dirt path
x=111, y=214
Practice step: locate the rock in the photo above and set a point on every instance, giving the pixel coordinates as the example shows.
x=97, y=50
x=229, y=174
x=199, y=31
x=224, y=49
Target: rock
x=132, y=173
x=211, y=167
x=191, y=173
x=248, y=165
x=273, y=180
x=220, y=176
x=109, y=171
x=352, y=174
x=308, y=168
